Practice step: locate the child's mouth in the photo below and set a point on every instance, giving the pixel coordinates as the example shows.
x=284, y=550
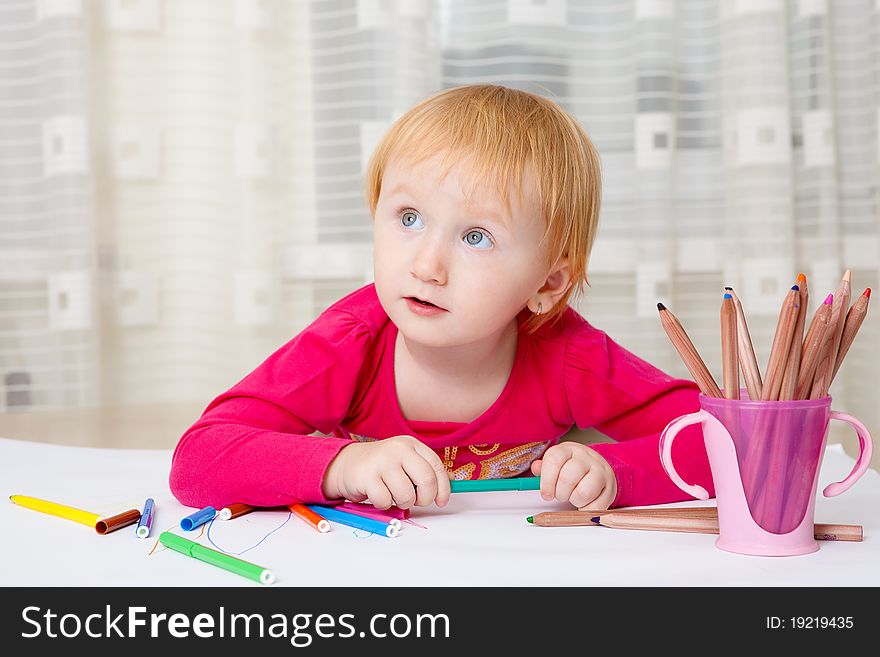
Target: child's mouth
x=423, y=305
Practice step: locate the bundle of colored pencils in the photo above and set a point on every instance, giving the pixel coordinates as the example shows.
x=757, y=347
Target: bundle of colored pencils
x=799, y=367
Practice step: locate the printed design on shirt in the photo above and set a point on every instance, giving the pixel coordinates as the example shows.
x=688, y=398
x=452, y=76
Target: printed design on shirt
x=449, y=454
x=464, y=472
x=362, y=439
x=480, y=450
x=511, y=462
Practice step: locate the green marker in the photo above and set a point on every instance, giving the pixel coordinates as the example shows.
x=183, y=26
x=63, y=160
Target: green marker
x=483, y=485
x=200, y=552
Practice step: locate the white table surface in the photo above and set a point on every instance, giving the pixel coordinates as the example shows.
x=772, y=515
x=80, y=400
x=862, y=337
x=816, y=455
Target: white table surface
x=479, y=539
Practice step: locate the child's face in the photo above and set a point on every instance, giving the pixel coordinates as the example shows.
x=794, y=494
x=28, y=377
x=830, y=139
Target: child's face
x=469, y=258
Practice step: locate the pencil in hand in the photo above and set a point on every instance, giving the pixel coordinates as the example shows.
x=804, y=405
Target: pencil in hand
x=688, y=352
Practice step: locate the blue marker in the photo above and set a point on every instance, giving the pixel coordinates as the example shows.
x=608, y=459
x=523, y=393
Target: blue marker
x=146, y=521
x=198, y=518
x=356, y=521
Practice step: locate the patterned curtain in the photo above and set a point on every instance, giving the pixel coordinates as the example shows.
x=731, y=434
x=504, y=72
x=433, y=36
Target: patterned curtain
x=181, y=181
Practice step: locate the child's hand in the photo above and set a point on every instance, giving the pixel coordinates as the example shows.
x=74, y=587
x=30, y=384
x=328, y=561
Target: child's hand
x=399, y=471
x=571, y=472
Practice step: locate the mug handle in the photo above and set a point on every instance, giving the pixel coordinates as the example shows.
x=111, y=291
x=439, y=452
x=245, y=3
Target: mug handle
x=666, y=438
x=866, y=449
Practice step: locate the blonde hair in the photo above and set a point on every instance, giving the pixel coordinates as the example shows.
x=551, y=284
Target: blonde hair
x=501, y=131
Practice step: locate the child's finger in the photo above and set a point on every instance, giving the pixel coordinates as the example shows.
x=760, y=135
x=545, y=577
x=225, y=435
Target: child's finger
x=549, y=474
x=570, y=476
x=423, y=476
x=440, y=474
x=553, y=461
x=403, y=493
x=378, y=494
x=588, y=492
x=606, y=497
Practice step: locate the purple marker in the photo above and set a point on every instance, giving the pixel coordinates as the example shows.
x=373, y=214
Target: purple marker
x=146, y=521
x=200, y=517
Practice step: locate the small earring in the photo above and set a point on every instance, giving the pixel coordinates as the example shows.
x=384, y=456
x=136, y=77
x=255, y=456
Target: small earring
x=540, y=308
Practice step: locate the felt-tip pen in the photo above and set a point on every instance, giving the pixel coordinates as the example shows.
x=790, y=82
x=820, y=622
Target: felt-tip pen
x=200, y=517
x=55, y=509
x=485, y=485
x=215, y=558
x=146, y=521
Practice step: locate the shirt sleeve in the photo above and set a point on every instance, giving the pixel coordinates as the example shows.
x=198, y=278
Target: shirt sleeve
x=631, y=401
x=252, y=444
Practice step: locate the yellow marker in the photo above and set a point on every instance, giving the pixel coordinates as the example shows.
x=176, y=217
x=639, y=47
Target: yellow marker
x=77, y=515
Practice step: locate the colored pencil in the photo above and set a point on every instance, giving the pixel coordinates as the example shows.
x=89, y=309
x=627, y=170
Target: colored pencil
x=200, y=517
x=584, y=518
x=821, y=379
x=231, y=511
x=215, y=558
x=353, y=520
x=709, y=525
x=765, y=424
x=305, y=513
x=781, y=344
x=688, y=352
x=729, y=346
x=112, y=523
x=854, y=318
x=793, y=362
x=748, y=362
x=810, y=331
x=813, y=348
x=145, y=524
x=55, y=509
x=838, y=319
x=827, y=351
x=488, y=485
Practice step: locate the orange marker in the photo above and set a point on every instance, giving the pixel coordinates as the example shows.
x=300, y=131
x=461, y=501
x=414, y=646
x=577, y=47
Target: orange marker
x=109, y=524
x=231, y=511
x=316, y=521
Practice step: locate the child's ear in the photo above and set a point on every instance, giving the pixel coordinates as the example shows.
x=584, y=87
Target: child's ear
x=557, y=283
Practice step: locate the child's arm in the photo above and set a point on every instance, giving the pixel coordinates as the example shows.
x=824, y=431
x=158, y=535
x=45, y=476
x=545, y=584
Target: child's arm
x=251, y=444
x=631, y=401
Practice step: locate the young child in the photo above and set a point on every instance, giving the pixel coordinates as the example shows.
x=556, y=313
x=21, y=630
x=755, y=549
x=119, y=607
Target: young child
x=463, y=359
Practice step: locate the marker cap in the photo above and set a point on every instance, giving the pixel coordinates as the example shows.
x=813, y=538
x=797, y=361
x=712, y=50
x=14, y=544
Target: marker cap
x=200, y=517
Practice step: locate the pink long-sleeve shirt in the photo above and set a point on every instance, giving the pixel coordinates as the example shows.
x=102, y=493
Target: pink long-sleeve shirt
x=260, y=442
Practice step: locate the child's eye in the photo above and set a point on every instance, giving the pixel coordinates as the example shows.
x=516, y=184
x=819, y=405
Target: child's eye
x=411, y=219
x=478, y=239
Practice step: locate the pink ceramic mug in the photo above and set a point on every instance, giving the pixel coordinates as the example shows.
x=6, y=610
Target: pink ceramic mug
x=765, y=459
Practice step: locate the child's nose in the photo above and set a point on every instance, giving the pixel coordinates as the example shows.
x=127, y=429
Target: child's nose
x=429, y=263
